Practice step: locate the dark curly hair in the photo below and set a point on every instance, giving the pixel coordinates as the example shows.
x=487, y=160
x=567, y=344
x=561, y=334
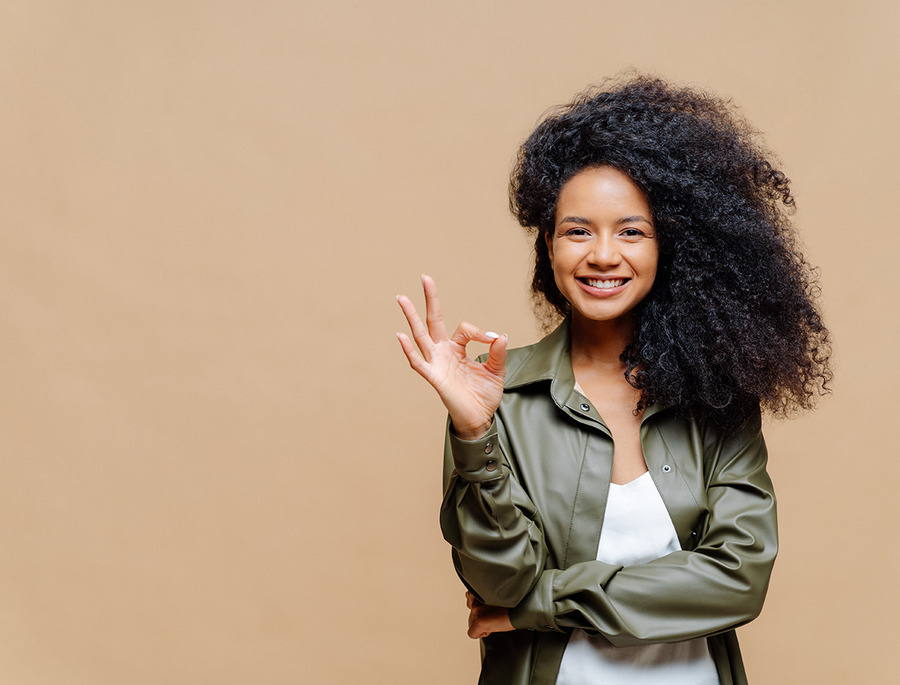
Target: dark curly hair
x=731, y=323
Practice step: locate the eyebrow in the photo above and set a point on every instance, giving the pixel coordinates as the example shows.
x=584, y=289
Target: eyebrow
x=623, y=220
x=632, y=219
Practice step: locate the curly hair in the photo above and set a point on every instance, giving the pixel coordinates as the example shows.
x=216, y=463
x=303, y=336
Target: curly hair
x=731, y=324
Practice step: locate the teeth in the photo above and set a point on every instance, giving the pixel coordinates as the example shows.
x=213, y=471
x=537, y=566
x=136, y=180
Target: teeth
x=604, y=284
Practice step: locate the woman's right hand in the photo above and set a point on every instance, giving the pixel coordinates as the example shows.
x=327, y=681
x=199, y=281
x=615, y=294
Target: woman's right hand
x=470, y=391
x=485, y=620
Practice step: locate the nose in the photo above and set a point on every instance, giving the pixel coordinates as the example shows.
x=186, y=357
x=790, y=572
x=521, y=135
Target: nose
x=605, y=252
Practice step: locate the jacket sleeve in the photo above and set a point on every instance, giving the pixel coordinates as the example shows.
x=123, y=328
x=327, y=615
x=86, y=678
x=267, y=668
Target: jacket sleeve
x=492, y=525
x=718, y=585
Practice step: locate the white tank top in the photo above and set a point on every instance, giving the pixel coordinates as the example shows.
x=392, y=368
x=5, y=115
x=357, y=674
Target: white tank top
x=636, y=529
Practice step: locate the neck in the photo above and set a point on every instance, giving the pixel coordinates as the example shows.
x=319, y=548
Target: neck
x=600, y=343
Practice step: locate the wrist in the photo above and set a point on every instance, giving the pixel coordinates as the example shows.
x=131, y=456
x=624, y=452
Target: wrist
x=471, y=434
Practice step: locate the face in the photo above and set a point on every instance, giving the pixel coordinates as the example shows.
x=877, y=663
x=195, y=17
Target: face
x=603, y=248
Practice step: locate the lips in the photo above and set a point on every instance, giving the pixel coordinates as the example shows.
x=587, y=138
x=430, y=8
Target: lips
x=604, y=283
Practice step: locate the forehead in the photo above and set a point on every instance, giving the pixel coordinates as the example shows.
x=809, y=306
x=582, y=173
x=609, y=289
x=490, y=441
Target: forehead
x=601, y=189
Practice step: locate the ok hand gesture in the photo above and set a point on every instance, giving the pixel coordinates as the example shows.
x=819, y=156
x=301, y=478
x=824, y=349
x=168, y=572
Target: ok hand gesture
x=470, y=391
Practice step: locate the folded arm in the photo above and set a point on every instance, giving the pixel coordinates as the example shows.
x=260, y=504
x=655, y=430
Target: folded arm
x=486, y=516
x=718, y=585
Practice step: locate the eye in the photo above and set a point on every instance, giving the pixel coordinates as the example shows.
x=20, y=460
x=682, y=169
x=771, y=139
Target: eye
x=576, y=232
x=633, y=233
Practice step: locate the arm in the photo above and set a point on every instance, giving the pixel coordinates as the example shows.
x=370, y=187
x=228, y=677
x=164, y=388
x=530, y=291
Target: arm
x=486, y=516
x=718, y=585
x=489, y=520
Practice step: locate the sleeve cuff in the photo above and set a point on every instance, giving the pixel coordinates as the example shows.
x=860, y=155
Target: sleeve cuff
x=535, y=612
x=479, y=460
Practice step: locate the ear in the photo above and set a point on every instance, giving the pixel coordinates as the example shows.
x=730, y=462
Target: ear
x=548, y=239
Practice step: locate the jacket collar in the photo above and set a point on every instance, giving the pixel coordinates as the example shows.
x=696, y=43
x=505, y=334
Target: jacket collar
x=550, y=360
x=546, y=360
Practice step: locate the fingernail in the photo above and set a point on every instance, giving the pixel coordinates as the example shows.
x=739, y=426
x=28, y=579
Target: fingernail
x=492, y=335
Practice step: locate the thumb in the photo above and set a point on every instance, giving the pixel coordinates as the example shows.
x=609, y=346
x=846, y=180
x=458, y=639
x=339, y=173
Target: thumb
x=496, y=361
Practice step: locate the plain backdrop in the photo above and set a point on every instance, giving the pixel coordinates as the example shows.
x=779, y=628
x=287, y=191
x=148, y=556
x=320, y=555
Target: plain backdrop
x=216, y=464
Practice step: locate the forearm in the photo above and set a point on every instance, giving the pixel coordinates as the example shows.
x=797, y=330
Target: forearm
x=489, y=520
x=678, y=597
x=715, y=586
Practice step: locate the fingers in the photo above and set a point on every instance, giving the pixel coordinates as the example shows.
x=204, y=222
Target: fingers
x=496, y=361
x=433, y=317
x=418, y=364
x=428, y=337
x=477, y=633
x=476, y=630
x=472, y=602
x=467, y=332
x=419, y=332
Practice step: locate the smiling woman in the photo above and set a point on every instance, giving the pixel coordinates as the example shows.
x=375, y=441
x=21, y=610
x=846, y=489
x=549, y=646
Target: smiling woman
x=606, y=494
x=604, y=250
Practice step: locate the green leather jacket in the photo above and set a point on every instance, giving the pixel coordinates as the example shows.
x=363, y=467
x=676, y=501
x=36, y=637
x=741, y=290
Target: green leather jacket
x=523, y=508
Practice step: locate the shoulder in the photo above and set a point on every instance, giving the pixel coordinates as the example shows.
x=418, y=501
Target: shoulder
x=518, y=357
x=543, y=360
x=524, y=365
x=547, y=359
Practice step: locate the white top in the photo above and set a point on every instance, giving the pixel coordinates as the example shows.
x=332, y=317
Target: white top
x=636, y=529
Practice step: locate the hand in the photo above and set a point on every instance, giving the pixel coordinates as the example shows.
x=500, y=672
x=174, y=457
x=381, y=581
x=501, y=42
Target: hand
x=484, y=619
x=470, y=391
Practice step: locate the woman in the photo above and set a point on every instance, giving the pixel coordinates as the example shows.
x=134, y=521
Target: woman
x=606, y=494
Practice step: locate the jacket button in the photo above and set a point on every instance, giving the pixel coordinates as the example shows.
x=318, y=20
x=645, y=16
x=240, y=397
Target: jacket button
x=491, y=465
x=488, y=447
x=585, y=407
x=666, y=468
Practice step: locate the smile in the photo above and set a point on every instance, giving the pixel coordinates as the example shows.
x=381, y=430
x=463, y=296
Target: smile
x=604, y=284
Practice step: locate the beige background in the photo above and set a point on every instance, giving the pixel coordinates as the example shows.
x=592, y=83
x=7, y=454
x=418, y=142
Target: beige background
x=216, y=465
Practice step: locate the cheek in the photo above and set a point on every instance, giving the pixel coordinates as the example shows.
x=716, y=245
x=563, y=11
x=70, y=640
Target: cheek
x=561, y=260
x=557, y=276
x=651, y=260
x=646, y=263
x=558, y=264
